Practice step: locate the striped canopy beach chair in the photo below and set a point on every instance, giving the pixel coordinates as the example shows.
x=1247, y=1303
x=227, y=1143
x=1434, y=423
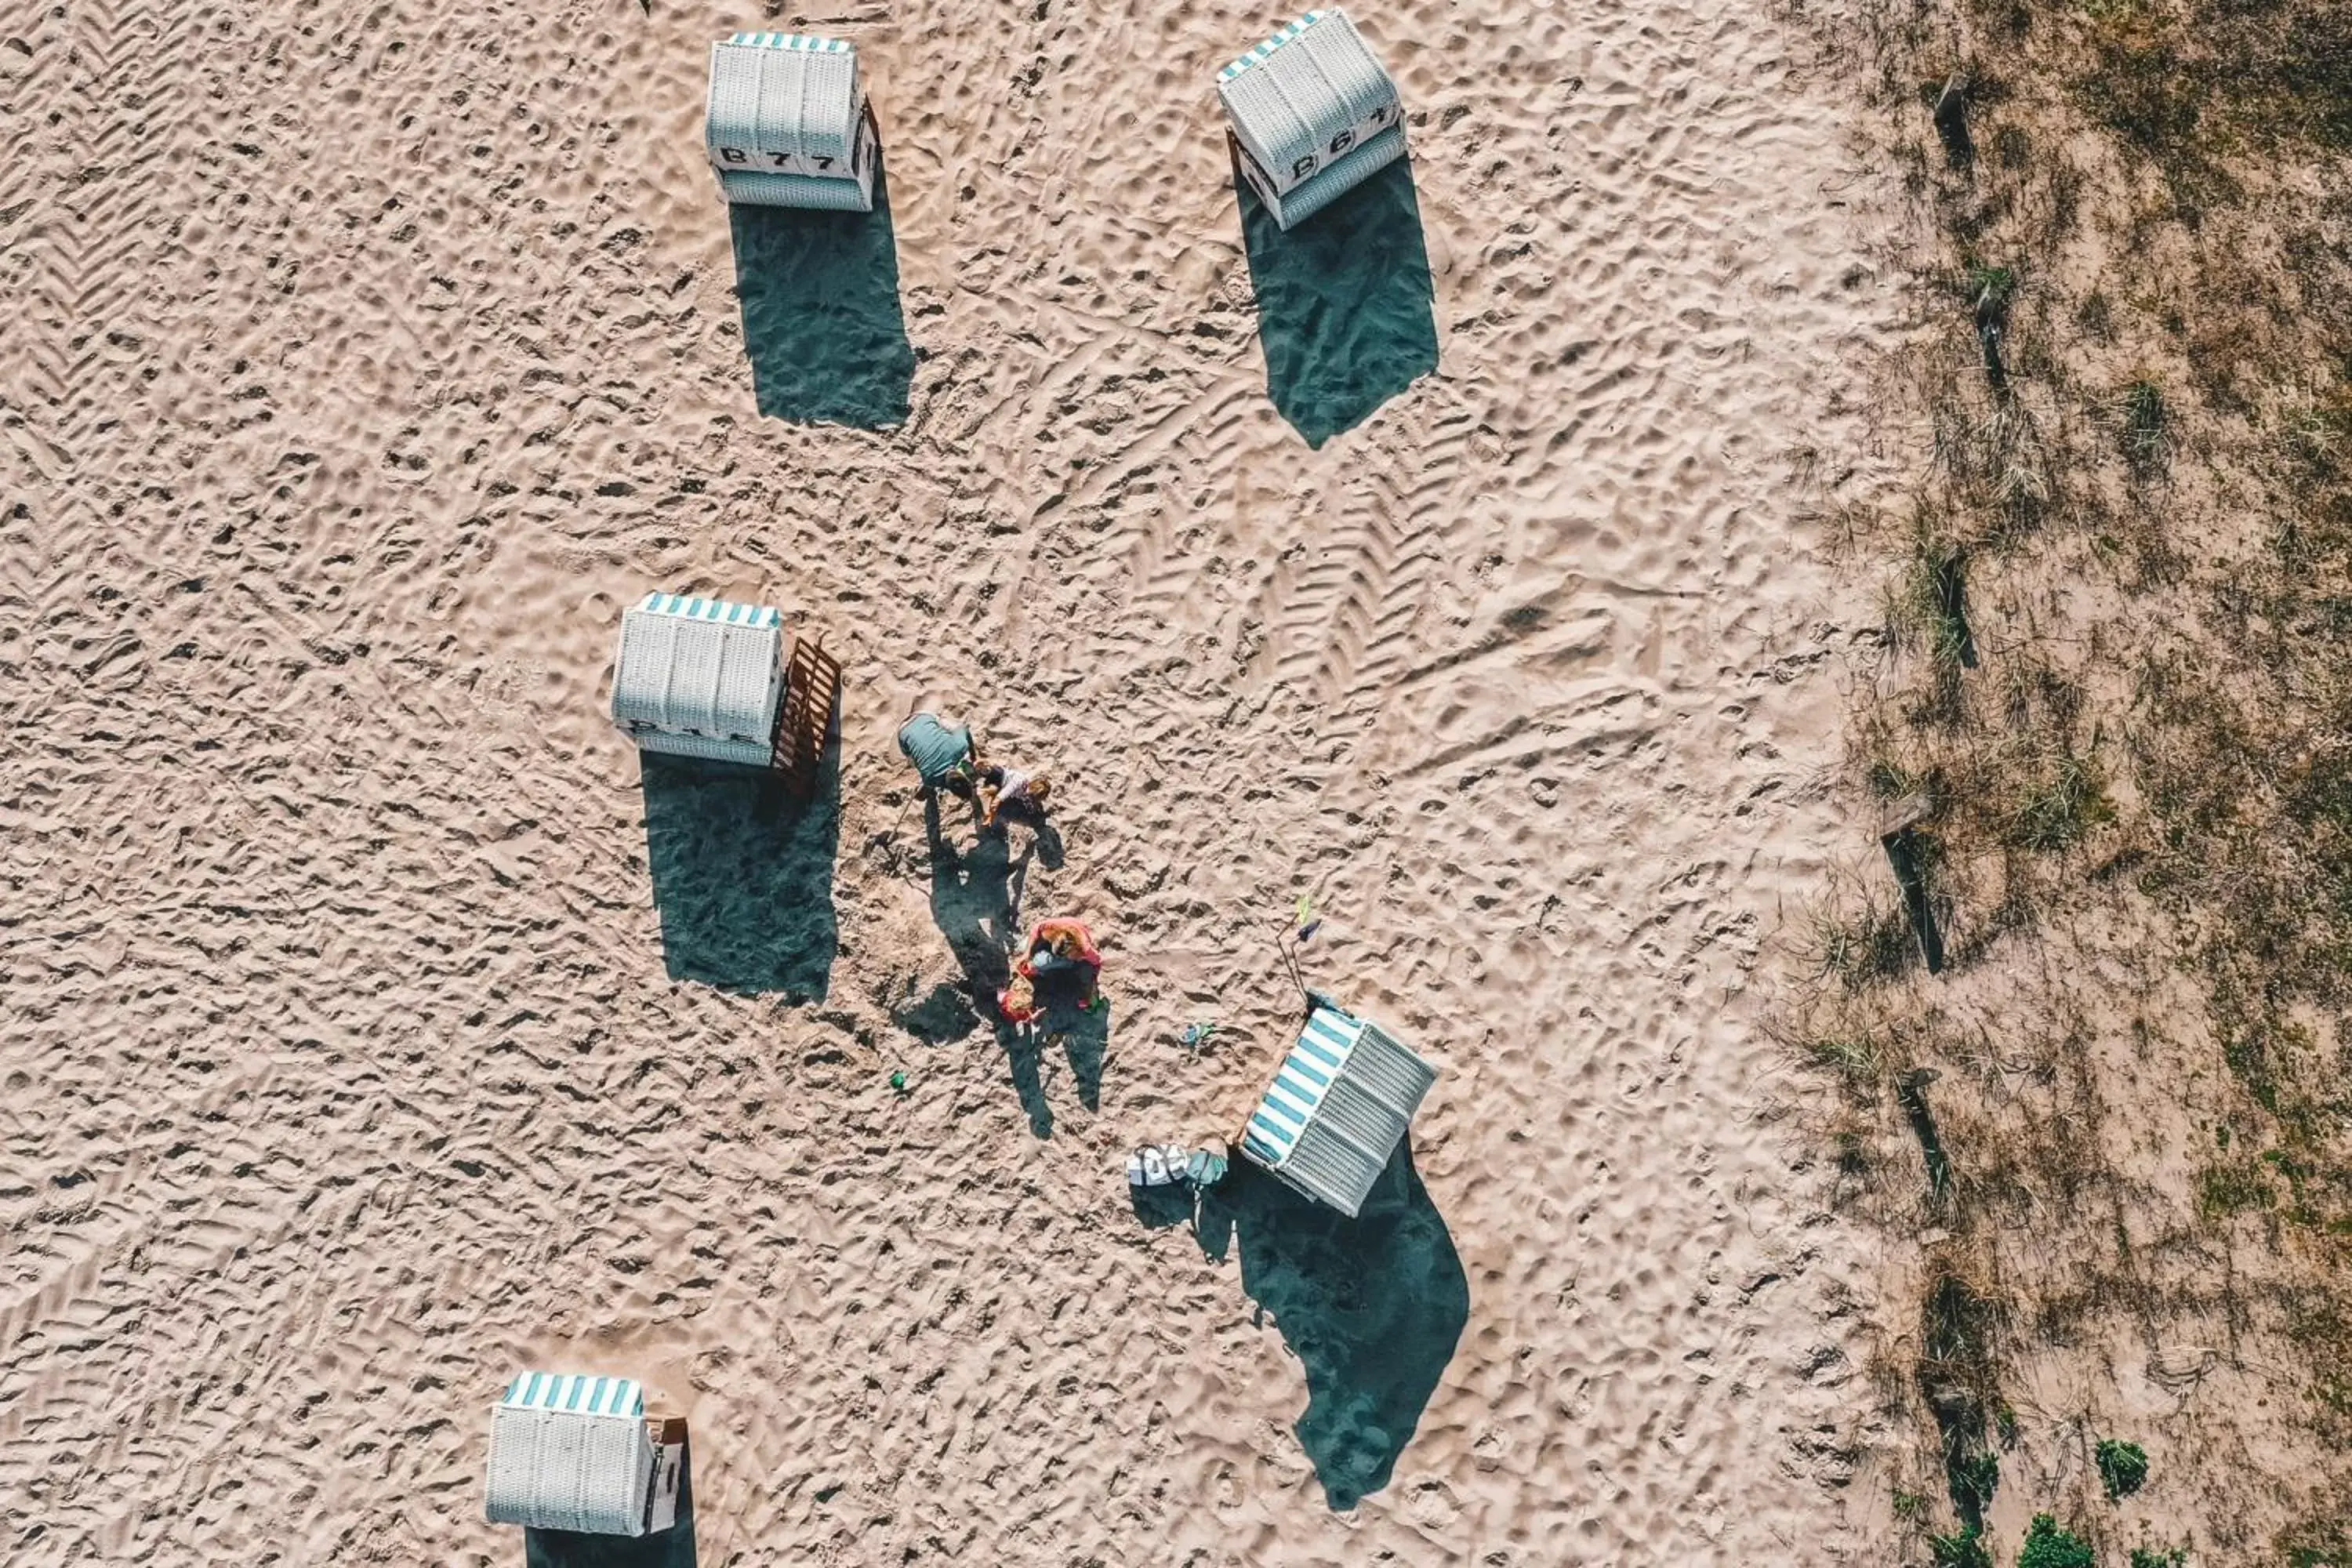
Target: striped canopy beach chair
x=707, y=678
x=788, y=124
x=571, y=1451
x=1338, y=1107
x=1313, y=115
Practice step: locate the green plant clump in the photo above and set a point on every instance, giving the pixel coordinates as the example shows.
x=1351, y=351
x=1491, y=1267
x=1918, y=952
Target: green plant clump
x=2047, y=1546
x=1964, y=1550
x=2059, y=808
x=2123, y=1466
x=1977, y=1474
x=2143, y=427
x=2149, y=1557
x=1874, y=946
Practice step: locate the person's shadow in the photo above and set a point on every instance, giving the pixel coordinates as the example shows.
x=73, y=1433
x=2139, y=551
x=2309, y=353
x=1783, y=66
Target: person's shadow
x=1372, y=1306
x=1084, y=1035
x=976, y=904
x=673, y=1548
x=822, y=322
x=1344, y=302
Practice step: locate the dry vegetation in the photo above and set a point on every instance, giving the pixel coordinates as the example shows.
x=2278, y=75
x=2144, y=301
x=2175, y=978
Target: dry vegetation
x=2117, y=694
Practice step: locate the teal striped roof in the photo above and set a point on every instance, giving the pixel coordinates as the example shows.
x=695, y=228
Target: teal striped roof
x=575, y=1391
x=1306, y=1076
x=790, y=41
x=1258, y=54
x=719, y=610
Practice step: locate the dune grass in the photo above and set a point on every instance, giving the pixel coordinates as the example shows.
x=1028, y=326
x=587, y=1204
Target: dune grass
x=2116, y=613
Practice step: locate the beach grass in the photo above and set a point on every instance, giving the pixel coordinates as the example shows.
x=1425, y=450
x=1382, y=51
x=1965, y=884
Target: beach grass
x=2116, y=603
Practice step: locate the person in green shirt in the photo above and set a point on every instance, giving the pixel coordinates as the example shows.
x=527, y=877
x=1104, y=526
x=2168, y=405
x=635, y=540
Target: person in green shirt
x=945, y=758
x=943, y=753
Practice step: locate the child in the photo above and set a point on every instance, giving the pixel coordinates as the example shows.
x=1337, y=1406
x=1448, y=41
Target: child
x=1018, y=1001
x=1003, y=789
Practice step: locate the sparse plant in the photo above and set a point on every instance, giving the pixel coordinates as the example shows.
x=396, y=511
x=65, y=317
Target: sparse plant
x=1872, y=947
x=2314, y=433
x=2206, y=699
x=2048, y=1546
x=1991, y=290
x=2097, y=315
x=2142, y=415
x=1977, y=1475
x=2155, y=1557
x=1853, y=1057
x=2123, y=1467
x=2059, y=805
x=1929, y=600
x=1890, y=780
x=1910, y=1506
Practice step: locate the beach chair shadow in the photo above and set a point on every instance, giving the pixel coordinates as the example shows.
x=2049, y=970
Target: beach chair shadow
x=1372, y=1306
x=821, y=322
x=1344, y=302
x=743, y=879
x=673, y=1548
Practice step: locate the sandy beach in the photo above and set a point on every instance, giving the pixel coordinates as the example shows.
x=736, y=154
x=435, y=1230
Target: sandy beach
x=379, y=1027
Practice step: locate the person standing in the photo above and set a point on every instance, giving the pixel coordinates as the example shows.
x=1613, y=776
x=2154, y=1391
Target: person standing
x=945, y=758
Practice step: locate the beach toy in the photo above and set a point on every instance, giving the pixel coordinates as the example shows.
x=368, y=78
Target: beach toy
x=1197, y=1034
x=787, y=123
x=1309, y=929
x=898, y=1081
x=1313, y=114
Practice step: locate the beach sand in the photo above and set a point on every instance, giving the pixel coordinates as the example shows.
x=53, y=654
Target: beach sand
x=377, y=1030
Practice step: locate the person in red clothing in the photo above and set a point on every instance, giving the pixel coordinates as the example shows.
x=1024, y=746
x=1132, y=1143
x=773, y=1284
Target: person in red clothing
x=1060, y=966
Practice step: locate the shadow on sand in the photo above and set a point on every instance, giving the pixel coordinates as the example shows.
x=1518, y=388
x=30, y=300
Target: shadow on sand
x=1343, y=302
x=1372, y=1306
x=976, y=905
x=1086, y=1041
x=744, y=880
x=822, y=322
x=673, y=1548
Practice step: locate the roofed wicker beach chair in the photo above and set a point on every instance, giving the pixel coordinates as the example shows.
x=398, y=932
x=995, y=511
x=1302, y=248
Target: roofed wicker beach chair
x=570, y=1451
x=788, y=123
x=711, y=679
x=1313, y=115
x=1341, y=1102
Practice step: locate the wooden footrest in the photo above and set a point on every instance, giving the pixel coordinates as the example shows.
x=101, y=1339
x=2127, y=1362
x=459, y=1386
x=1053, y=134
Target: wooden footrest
x=805, y=722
